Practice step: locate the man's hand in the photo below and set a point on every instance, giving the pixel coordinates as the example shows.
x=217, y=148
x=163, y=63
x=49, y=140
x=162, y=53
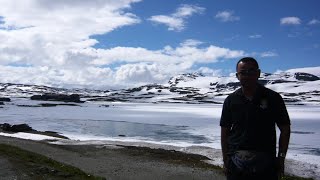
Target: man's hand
x=280, y=167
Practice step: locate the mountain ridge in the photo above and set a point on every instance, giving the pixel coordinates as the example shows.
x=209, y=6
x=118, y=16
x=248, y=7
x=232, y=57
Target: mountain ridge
x=297, y=88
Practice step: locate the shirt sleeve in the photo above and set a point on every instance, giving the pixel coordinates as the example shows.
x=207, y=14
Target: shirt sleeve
x=282, y=114
x=225, y=120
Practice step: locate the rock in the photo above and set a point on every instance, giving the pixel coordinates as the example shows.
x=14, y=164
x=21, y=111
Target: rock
x=36, y=97
x=23, y=105
x=58, y=97
x=104, y=105
x=306, y=77
x=21, y=128
x=279, y=81
x=5, y=126
x=232, y=85
x=15, y=128
x=48, y=105
x=26, y=128
x=5, y=99
x=137, y=89
x=213, y=83
x=54, y=105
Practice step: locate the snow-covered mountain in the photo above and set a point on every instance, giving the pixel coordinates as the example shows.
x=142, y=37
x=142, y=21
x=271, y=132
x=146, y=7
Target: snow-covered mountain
x=297, y=86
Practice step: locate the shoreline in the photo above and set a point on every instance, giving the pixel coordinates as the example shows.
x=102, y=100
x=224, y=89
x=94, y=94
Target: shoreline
x=123, y=162
x=206, y=157
x=118, y=161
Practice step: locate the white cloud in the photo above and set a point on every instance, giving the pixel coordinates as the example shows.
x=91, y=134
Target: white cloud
x=290, y=21
x=137, y=66
x=255, y=36
x=187, y=51
x=40, y=37
x=176, y=21
x=186, y=10
x=226, y=16
x=141, y=73
x=209, y=71
x=173, y=23
x=50, y=43
x=45, y=75
x=313, y=22
x=191, y=42
x=269, y=54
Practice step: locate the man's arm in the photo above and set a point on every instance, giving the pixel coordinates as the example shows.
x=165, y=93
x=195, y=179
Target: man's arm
x=224, y=145
x=225, y=123
x=284, y=138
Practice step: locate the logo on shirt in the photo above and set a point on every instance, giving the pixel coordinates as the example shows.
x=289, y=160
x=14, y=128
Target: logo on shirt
x=264, y=104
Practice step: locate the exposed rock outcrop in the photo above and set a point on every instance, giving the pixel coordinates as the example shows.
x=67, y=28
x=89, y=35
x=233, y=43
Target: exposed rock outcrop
x=58, y=97
x=15, y=128
x=3, y=99
x=306, y=77
x=8, y=128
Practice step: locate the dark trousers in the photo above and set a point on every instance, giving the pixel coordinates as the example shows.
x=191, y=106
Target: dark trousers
x=235, y=174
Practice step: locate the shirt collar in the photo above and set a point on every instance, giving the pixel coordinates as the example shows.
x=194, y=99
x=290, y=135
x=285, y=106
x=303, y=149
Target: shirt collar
x=257, y=93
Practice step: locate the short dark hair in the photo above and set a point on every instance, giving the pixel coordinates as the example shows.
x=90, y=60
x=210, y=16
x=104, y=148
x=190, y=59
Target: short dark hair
x=248, y=59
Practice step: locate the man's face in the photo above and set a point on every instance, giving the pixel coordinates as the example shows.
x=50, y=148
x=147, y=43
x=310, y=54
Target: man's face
x=248, y=74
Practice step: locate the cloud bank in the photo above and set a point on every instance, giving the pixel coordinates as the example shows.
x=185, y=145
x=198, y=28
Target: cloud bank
x=50, y=43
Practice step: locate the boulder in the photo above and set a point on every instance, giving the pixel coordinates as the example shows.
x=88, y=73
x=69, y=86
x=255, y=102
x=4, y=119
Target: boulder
x=21, y=128
x=15, y=128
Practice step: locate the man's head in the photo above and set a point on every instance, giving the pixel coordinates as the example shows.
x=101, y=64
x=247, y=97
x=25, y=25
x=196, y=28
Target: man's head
x=248, y=71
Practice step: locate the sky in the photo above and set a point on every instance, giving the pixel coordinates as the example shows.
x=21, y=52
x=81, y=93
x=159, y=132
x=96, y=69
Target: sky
x=123, y=43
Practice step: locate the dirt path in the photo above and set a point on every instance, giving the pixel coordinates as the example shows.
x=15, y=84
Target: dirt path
x=114, y=162
x=7, y=171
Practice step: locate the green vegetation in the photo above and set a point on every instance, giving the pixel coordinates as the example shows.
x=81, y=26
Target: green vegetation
x=35, y=166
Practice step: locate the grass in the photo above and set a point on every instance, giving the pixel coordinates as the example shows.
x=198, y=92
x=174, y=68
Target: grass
x=36, y=166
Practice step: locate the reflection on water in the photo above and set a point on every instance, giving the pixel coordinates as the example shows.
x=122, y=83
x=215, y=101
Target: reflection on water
x=155, y=132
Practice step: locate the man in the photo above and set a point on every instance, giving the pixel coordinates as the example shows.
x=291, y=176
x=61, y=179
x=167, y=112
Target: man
x=248, y=120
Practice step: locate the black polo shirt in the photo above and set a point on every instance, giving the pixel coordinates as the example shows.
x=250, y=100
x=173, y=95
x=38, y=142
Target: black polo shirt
x=252, y=122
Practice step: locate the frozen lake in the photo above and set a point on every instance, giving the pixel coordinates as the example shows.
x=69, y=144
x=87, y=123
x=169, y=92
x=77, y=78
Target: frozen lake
x=178, y=125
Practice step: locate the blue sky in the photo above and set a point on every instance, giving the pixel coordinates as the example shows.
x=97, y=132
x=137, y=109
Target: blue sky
x=257, y=30
x=116, y=43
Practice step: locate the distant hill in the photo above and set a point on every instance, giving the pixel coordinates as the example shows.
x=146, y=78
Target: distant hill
x=297, y=86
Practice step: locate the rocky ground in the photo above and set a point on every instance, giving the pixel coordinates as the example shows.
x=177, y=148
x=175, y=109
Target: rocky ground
x=296, y=88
